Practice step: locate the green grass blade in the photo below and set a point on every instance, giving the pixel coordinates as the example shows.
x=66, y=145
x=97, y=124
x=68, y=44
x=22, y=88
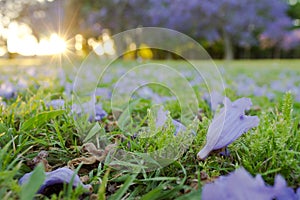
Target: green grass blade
x=153, y=194
x=194, y=195
x=161, y=179
x=40, y=119
x=102, y=188
x=120, y=193
x=96, y=128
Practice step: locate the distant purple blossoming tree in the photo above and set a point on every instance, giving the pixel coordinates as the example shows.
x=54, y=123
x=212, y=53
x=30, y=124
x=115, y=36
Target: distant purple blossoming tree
x=291, y=39
x=235, y=22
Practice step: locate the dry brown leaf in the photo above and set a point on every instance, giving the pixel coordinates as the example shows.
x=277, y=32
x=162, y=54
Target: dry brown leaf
x=40, y=158
x=93, y=155
x=84, y=179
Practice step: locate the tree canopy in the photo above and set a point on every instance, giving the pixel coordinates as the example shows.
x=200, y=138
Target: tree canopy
x=227, y=23
x=234, y=23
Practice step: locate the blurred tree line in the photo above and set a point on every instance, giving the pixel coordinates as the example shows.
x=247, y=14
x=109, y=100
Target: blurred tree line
x=225, y=28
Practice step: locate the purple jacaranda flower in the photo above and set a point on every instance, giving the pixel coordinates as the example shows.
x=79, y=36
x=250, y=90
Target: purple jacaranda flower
x=263, y=91
x=2, y=104
x=278, y=86
x=238, y=185
x=68, y=89
x=57, y=177
x=179, y=127
x=297, y=96
x=281, y=191
x=214, y=99
x=241, y=185
x=104, y=93
x=99, y=113
x=145, y=92
x=7, y=90
x=148, y=93
x=95, y=112
x=196, y=81
x=22, y=83
x=228, y=125
x=286, y=82
x=245, y=85
x=32, y=71
x=56, y=104
x=162, y=117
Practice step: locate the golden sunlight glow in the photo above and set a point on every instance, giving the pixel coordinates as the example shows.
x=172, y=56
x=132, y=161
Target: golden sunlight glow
x=2, y=51
x=97, y=46
x=130, y=52
x=104, y=46
x=78, y=42
x=145, y=52
x=54, y=45
x=21, y=40
x=108, y=44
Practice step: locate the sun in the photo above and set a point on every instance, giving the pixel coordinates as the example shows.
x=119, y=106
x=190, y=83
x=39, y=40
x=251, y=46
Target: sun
x=52, y=45
x=20, y=40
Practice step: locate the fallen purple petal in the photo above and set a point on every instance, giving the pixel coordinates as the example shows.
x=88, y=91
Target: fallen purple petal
x=2, y=104
x=241, y=185
x=59, y=176
x=56, y=104
x=7, y=90
x=214, y=99
x=162, y=117
x=104, y=93
x=95, y=112
x=228, y=125
x=282, y=191
x=99, y=113
x=147, y=93
x=179, y=127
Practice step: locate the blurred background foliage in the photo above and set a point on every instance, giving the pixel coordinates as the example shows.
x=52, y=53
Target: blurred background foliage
x=226, y=28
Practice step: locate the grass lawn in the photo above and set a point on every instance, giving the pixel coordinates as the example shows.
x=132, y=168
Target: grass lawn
x=30, y=125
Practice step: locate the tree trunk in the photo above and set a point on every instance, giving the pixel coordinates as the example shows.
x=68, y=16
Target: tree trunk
x=277, y=52
x=247, y=53
x=228, y=46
